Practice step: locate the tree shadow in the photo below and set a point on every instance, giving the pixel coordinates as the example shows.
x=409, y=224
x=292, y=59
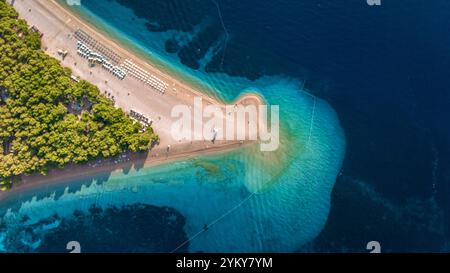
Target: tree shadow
x=42, y=190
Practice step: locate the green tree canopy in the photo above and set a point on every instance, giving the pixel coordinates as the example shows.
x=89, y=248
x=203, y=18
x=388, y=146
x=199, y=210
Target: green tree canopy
x=38, y=130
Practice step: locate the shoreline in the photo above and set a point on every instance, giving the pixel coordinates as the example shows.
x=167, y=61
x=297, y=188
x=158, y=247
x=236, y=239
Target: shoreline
x=188, y=81
x=133, y=50
x=155, y=62
x=73, y=172
x=58, y=24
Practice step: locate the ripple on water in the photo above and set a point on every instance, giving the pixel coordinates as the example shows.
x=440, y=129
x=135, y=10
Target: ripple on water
x=249, y=201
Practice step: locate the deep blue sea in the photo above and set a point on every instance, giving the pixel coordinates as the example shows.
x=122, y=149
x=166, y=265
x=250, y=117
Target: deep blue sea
x=364, y=94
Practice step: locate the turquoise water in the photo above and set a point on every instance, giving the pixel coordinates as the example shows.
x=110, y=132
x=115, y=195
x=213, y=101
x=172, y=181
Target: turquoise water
x=251, y=201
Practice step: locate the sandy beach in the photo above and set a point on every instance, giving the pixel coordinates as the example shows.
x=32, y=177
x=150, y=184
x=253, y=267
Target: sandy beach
x=58, y=27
